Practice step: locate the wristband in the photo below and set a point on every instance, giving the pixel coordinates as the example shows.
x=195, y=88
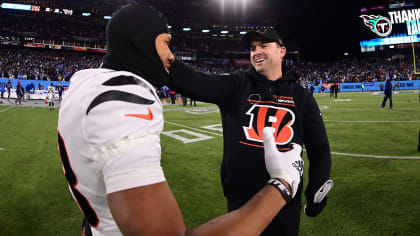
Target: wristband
x=282, y=188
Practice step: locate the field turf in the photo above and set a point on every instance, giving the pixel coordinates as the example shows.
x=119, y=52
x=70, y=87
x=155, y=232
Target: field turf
x=376, y=168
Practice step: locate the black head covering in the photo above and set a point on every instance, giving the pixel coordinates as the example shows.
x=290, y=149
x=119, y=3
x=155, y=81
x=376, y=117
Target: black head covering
x=131, y=35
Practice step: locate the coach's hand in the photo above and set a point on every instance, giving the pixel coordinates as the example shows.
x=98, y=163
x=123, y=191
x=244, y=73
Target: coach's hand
x=285, y=165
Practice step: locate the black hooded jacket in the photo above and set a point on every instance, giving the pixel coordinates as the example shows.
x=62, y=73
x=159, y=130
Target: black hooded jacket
x=248, y=102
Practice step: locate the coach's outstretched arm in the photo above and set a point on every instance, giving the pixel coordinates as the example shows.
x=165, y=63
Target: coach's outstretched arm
x=153, y=210
x=201, y=86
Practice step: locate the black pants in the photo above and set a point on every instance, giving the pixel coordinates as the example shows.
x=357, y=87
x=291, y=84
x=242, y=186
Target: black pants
x=384, y=101
x=286, y=223
x=86, y=228
x=173, y=98
x=419, y=142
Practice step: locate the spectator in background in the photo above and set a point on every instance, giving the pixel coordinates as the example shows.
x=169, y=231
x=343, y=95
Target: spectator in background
x=28, y=88
x=184, y=100
x=387, y=94
x=192, y=100
x=2, y=90
x=336, y=89
x=19, y=93
x=312, y=89
x=418, y=147
x=8, y=87
x=60, y=90
x=172, y=93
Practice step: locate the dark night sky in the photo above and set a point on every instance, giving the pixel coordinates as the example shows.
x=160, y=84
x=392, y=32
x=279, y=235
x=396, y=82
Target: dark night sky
x=324, y=29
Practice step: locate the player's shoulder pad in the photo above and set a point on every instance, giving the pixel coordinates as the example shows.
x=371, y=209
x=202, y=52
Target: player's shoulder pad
x=123, y=104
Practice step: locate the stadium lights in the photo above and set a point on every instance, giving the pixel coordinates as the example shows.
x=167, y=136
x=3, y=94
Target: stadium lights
x=346, y=54
x=242, y=32
x=14, y=6
x=107, y=17
x=391, y=46
x=186, y=29
x=169, y=26
x=205, y=30
x=85, y=14
x=224, y=32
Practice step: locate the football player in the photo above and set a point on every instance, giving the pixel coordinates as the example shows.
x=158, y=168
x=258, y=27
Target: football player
x=50, y=96
x=109, y=141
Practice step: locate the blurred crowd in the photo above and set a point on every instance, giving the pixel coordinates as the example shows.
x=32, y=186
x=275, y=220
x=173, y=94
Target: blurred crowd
x=53, y=29
x=53, y=65
x=41, y=64
x=366, y=70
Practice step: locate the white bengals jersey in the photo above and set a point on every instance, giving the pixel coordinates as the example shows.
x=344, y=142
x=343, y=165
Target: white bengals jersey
x=109, y=140
x=50, y=93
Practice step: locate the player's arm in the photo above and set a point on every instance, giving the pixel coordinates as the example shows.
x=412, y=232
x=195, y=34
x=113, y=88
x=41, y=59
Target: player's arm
x=319, y=156
x=198, y=85
x=152, y=209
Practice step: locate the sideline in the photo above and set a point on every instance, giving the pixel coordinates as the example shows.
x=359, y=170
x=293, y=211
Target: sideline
x=8, y=108
x=374, y=156
x=373, y=121
x=199, y=130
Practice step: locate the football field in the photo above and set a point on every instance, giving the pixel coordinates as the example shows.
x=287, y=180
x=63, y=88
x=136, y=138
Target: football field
x=375, y=168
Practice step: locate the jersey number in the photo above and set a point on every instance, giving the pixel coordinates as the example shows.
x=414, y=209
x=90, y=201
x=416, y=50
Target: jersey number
x=83, y=203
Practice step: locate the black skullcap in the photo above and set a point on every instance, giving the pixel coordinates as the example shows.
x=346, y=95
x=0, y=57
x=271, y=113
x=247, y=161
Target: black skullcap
x=130, y=36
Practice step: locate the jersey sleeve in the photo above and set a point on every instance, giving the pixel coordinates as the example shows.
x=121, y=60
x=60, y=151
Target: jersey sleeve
x=123, y=125
x=133, y=161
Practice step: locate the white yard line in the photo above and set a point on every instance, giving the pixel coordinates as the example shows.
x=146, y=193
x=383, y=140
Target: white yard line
x=200, y=130
x=374, y=156
x=374, y=121
x=7, y=108
x=1, y=149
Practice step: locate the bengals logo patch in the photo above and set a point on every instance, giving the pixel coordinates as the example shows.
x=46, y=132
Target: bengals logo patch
x=280, y=118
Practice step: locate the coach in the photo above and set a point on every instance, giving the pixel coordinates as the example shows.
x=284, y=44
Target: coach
x=263, y=95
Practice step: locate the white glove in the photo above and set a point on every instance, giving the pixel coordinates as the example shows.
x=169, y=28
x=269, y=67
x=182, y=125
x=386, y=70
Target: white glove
x=285, y=165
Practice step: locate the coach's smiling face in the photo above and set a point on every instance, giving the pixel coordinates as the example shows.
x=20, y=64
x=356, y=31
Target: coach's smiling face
x=267, y=57
x=162, y=47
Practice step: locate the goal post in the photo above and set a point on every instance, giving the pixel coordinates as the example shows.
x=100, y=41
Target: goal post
x=416, y=59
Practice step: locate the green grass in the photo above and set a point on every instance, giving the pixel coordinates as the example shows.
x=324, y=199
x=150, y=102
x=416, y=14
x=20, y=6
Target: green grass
x=371, y=196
